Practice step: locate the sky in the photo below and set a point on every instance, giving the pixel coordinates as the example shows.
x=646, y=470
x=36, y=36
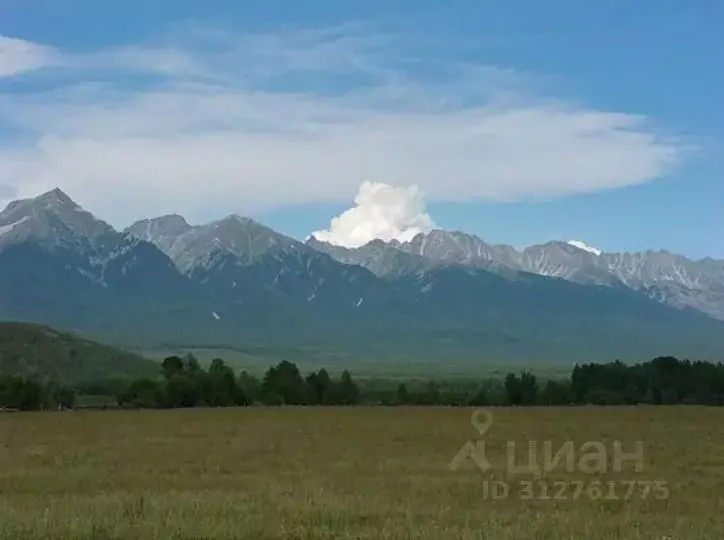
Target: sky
x=521, y=122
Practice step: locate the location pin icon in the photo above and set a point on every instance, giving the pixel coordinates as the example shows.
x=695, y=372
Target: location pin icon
x=481, y=420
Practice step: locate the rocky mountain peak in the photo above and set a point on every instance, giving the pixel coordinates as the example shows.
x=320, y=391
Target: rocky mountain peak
x=55, y=201
x=238, y=236
x=56, y=198
x=162, y=231
x=52, y=217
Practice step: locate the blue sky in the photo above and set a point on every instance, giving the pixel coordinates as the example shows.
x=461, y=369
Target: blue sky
x=521, y=121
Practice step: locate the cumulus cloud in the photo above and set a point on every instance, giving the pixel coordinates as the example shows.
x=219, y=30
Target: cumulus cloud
x=381, y=212
x=215, y=129
x=18, y=56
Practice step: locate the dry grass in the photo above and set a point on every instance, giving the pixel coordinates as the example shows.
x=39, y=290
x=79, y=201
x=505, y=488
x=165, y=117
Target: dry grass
x=372, y=473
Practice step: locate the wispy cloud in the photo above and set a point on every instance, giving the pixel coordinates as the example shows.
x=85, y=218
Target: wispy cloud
x=18, y=56
x=6, y=191
x=297, y=117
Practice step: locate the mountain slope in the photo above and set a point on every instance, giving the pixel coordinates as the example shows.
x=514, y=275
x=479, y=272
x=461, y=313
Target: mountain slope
x=664, y=277
x=59, y=265
x=245, y=263
x=190, y=246
x=234, y=282
x=41, y=351
x=381, y=258
x=490, y=303
x=54, y=220
x=530, y=316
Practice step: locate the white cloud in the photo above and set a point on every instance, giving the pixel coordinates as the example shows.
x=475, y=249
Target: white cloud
x=220, y=129
x=18, y=56
x=381, y=212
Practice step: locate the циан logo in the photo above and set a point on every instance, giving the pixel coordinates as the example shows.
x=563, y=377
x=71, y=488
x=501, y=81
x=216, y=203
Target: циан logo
x=540, y=458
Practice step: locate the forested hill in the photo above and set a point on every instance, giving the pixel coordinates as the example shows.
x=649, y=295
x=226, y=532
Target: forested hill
x=45, y=353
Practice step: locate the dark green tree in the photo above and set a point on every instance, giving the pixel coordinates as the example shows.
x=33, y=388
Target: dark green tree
x=528, y=388
x=250, y=387
x=432, y=394
x=25, y=394
x=143, y=393
x=348, y=390
x=221, y=390
x=283, y=384
x=554, y=393
x=513, y=390
x=320, y=387
x=191, y=364
x=403, y=398
x=64, y=397
x=172, y=365
x=182, y=391
x=480, y=399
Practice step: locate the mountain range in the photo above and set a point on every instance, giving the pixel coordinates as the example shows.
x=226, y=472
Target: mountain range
x=666, y=277
x=444, y=295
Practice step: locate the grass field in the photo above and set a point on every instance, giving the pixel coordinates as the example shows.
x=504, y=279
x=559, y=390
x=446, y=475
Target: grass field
x=372, y=473
x=257, y=362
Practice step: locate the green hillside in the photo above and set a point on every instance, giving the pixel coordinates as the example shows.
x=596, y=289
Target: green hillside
x=33, y=350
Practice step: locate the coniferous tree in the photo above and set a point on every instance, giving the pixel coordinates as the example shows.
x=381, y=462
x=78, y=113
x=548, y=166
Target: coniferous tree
x=319, y=385
x=403, y=398
x=513, y=389
x=554, y=393
x=283, y=384
x=528, y=388
x=480, y=399
x=221, y=384
x=349, y=392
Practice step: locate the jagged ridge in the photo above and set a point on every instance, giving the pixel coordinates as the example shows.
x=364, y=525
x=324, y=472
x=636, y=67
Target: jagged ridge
x=236, y=282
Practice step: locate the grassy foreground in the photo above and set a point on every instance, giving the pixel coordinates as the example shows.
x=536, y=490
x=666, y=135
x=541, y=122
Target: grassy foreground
x=295, y=473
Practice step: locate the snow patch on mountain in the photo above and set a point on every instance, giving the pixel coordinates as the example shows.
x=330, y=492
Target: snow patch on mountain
x=585, y=247
x=5, y=229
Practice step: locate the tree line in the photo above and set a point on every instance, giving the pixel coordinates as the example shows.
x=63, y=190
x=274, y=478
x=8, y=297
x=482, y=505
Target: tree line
x=662, y=381
x=28, y=393
x=183, y=382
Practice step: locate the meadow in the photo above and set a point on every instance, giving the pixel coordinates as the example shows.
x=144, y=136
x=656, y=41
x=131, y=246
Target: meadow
x=401, y=368
x=354, y=473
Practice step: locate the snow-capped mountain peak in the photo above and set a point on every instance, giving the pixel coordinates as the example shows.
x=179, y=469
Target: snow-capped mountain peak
x=56, y=198
x=585, y=247
x=53, y=217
